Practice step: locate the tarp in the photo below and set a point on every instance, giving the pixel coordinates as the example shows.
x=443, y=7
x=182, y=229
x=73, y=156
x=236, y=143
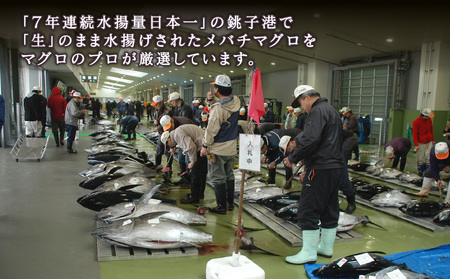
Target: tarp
x=435, y=262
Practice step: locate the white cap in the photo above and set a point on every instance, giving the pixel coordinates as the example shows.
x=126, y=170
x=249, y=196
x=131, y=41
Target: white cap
x=222, y=80
x=289, y=108
x=165, y=122
x=165, y=136
x=174, y=96
x=76, y=94
x=389, y=152
x=266, y=105
x=242, y=111
x=441, y=150
x=300, y=90
x=204, y=116
x=284, y=141
x=297, y=110
x=37, y=88
x=427, y=112
x=156, y=99
x=200, y=106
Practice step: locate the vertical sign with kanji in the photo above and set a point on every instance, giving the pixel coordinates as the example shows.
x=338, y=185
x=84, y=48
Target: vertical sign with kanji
x=250, y=152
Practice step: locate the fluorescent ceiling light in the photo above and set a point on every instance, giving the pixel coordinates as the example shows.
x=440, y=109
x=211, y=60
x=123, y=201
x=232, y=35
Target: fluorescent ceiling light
x=119, y=79
x=110, y=87
x=114, y=84
x=128, y=72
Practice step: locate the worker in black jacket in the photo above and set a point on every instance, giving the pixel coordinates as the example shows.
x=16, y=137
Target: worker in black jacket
x=179, y=107
x=272, y=153
x=320, y=149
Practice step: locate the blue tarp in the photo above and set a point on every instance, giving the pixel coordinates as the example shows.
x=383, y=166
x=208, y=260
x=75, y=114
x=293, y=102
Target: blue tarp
x=435, y=262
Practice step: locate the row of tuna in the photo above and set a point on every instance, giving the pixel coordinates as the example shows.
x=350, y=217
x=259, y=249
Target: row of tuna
x=384, y=196
x=127, y=199
x=284, y=204
x=386, y=173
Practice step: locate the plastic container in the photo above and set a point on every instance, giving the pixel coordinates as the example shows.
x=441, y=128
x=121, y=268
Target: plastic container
x=234, y=267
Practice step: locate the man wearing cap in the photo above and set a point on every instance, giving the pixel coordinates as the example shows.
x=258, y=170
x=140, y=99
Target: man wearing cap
x=352, y=125
x=71, y=116
x=439, y=162
x=272, y=154
x=220, y=143
x=171, y=123
x=121, y=108
x=397, y=149
x=242, y=114
x=57, y=105
x=129, y=124
x=301, y=116
x=198, y=115
x=291, y=119
x=267, y=117
x=422, y=132
x=160, y=111
x=320, y=148
x=179, y=108
x=32, y=117
x=189, y=139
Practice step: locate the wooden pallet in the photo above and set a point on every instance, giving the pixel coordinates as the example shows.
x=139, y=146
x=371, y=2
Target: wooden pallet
x=424, y=222
x=289, y=231
x=108, y=252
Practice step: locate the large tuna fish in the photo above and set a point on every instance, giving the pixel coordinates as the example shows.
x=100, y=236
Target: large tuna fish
x=368, y=191
x=110, y=168
x=395, y=272
x=288, y=213
x=359, y=166
x=147, y=205
x=443, y=218
x=347, y=221
x=389, y=173
x=109, y=147
x=105, y=199
x=353, y=266
x=152, y=232
x=422, y=207
x=254, y=194
x=372, y=169
x=410, y=177
x=394, y=198
x=279, y=201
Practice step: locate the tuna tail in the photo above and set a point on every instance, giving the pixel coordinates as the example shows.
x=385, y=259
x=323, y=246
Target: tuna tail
x=147, y=196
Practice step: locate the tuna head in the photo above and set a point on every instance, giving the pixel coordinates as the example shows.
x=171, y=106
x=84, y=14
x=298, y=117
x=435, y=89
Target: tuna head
x=114, y=212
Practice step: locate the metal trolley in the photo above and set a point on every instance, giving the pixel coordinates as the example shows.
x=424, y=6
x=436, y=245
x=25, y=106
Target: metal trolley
x=29, y=148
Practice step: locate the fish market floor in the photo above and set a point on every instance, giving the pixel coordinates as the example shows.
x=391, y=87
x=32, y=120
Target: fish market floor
x=45, y=233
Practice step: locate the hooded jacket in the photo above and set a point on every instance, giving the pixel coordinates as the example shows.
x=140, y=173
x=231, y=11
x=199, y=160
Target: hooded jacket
x=57, y=104
x=321, y=142
x=222, y=130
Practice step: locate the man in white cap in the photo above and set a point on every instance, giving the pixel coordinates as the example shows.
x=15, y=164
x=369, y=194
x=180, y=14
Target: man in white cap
x=189, y=139
x=422, y=132
x=439, y=162
x=219, y=143
x=291, y=119
x=301, y=116
x=320, y=148
x=33, y=124
x=397, y=149
x=72, y=114
x=179, y=108
x=160, y=111
x=267, y=117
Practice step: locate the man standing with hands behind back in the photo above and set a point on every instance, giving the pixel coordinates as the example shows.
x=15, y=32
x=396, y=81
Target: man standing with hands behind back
x=422, y=132
x=73, y=113
x=220, y=143
x=320, y=149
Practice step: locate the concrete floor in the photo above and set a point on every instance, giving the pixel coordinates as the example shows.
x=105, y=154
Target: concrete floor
x=45, y=233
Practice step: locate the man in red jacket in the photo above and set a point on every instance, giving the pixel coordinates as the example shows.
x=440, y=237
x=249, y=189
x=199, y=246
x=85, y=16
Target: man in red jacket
x=57, y=105
x=423, y=138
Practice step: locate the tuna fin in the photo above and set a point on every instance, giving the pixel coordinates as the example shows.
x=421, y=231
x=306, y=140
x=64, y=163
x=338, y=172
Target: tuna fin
x=149, y=194
x=114, y=169
x=129, y=187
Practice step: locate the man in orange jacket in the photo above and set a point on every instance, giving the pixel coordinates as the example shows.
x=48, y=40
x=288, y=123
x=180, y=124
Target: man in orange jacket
x=423, y=139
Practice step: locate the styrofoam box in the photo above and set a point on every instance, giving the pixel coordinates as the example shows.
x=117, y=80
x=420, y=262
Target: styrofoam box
x=223, y=268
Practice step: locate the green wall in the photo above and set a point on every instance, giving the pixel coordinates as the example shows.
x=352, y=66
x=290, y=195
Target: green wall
x=402, y=119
